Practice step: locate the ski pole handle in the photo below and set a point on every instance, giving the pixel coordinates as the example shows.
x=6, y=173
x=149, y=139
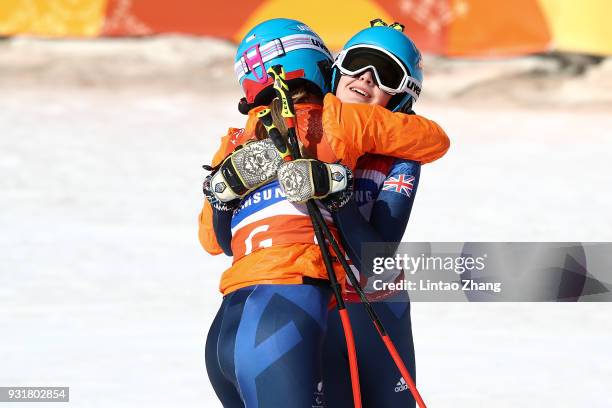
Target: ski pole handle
x=281, y=87
x=277, y=72
x=265, y=117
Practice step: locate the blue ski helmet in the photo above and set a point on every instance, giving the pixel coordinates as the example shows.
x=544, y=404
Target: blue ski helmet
x=290, y=43
x=389, y=39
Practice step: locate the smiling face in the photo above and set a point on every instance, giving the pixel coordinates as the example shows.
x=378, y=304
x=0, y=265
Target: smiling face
x=361, y=89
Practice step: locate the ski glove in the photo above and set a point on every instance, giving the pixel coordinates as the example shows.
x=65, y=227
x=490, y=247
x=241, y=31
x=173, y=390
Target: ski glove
x=305, y=179
x=246, y=168
x=214, y=201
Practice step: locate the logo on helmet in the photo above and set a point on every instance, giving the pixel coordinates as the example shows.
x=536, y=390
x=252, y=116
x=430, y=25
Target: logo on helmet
x=319, y=44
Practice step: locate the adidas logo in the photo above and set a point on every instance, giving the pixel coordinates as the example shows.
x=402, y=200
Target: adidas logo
x=401, y=385
x=318, y=397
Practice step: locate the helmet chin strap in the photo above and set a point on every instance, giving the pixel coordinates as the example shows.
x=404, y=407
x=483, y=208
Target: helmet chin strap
x=335, y=78
x=400, y=103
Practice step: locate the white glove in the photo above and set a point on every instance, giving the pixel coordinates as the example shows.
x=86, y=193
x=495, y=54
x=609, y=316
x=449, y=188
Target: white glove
x=246, y=168
x=305, y=179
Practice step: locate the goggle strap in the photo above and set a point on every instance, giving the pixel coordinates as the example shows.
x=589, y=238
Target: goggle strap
x=413, y=88
x=277, y=48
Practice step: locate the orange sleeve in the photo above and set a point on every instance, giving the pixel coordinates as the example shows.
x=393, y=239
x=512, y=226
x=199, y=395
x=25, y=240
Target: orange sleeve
x=356, y=129
x=206, y=232
x=224, y=149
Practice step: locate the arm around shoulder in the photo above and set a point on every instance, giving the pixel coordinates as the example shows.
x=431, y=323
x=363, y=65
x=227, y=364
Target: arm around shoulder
x=356, y=129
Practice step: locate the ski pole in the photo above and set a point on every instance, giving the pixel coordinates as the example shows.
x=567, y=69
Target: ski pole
x=282, y=90
x=288, y=154
x=265, y=116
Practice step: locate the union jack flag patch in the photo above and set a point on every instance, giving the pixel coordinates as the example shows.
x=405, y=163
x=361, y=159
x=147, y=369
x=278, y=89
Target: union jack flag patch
x=402, y=184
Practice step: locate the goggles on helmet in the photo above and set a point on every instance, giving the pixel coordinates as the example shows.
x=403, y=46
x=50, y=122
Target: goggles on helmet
x=391, y=75
x=254, y=58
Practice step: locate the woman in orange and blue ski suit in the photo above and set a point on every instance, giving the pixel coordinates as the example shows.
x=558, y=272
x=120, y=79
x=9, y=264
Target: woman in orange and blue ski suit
x=264, y=346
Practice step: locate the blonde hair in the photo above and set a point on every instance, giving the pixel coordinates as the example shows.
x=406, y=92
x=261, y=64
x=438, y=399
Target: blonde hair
x=275, y=106
x=300, y=95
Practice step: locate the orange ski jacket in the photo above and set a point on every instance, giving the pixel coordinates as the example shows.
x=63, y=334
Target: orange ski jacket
x=279, y=248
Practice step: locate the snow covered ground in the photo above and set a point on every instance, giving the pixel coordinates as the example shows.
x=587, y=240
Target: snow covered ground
x=104, y=288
